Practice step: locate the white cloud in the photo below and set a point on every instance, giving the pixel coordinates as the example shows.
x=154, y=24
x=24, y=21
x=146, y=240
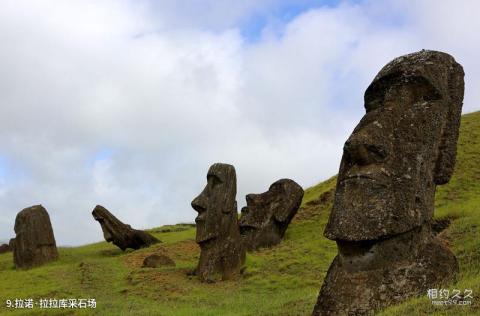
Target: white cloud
x=167, y=92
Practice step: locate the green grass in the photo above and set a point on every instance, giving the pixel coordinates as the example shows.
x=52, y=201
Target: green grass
x=284, y=280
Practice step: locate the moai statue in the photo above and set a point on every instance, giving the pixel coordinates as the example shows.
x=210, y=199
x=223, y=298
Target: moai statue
x=217, y=226
x=5, y=248
x=403, y=147
x=121, y=235
x=34, y=243
x=267, y=215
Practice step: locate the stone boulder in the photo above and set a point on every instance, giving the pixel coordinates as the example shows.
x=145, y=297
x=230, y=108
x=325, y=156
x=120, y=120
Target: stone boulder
x=34, y=243
x=156, y=261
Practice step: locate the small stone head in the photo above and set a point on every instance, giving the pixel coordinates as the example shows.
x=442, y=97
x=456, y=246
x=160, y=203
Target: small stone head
x=275, y=207
x=402, y=148
x=216, y=205
x=99, y=213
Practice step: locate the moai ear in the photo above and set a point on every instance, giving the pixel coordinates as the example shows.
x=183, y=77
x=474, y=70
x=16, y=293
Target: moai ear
x=448, y=146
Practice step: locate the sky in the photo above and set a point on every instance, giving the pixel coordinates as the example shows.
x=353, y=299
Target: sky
x=127, y=103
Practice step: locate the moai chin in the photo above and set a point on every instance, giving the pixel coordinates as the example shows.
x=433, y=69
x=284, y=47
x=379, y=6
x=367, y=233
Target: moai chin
x=267, y=215
x=217, y=226
x=403, y=147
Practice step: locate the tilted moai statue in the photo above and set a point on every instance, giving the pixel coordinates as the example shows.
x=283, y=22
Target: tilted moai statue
x=121, y=235
x=267, y=215
x=34, y=243
x=217, y=226
x=403, y=147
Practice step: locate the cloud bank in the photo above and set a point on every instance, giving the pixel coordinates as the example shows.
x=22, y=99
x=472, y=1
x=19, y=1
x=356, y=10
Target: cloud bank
x=127, y=104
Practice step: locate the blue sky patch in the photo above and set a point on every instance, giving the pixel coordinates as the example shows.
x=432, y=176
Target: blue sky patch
x=283, y=13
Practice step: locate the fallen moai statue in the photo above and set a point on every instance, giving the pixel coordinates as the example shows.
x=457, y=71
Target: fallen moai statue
x=120, y=234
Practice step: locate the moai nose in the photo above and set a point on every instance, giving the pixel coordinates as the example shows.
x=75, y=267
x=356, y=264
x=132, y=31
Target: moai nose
x=364, y=153
x=199, y=204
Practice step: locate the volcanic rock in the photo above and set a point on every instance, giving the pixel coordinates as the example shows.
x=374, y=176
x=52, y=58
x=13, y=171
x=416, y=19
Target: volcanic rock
x=156, y=261
x=34, y=243
x=267, y=215
x=120, y=234
x=403, y=147
x=218, y=235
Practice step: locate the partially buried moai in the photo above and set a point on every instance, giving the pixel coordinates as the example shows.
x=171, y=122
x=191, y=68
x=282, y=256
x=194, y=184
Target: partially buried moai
x=403, y=147
x=217, y=226
x=34, y=243
x=121, y=235
x=267, y=215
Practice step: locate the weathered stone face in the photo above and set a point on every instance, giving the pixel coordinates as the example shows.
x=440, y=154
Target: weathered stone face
x=402, y=148
x=398, y=152
x=217, y=225
x=34, y=243
x=120, y=234
x=267, y=215
x=216, y=205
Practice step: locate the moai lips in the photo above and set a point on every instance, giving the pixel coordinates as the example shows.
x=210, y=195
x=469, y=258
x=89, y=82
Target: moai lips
x=402, y=148
x=34, y=244
x=267, y=215
x=120, y=234
x=218, y=234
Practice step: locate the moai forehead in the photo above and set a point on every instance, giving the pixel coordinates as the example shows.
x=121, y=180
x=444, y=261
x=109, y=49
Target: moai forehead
x=109, y=223
x=224, y=172
x=402, y=148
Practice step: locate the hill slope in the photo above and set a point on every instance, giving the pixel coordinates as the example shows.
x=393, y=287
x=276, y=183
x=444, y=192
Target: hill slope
x=281, y=281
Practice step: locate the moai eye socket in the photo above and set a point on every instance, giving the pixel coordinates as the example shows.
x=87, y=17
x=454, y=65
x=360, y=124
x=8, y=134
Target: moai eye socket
x=213, y=180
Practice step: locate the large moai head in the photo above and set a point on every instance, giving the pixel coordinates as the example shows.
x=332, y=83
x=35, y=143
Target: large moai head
x=34, y=243
x=402, y=148
x=216, y=204
x=267, y=215
x=217, y=226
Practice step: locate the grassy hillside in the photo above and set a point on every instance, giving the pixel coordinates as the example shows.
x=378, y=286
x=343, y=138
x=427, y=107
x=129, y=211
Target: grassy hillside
x=281, y=281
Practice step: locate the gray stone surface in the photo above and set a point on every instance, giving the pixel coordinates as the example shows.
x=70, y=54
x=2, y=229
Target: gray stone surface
x=403, y=147
x=218, y=235
x=34, y=243
x=267, y=215
x=120, y=234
